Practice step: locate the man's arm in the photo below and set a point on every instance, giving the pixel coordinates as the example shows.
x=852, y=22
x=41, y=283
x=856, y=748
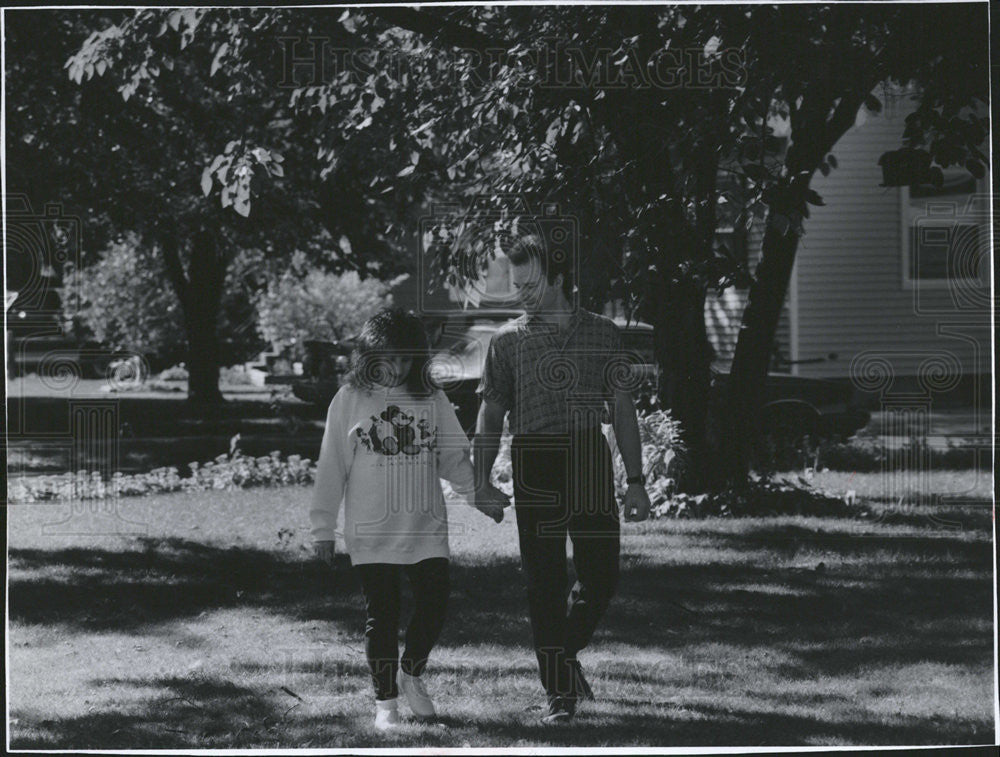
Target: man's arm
x=626, y=427
x=486, y=444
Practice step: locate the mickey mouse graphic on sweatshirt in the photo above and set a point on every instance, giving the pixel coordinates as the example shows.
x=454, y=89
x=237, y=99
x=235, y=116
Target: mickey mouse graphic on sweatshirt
x=383, y=454
x=392, y=432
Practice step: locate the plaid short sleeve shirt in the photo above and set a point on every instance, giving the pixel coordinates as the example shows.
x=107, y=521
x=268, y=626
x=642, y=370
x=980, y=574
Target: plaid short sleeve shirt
x=553, y=380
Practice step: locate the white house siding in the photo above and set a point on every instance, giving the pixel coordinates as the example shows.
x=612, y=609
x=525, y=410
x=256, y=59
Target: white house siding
x=851, y=295
x=724, y=312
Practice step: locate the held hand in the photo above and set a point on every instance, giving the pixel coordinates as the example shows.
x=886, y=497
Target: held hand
x=324, y=550
x=491, y=502
x=636, y=504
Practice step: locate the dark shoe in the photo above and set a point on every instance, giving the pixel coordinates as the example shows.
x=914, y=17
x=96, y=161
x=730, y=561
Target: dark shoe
x=581, y=688
x=561, y=710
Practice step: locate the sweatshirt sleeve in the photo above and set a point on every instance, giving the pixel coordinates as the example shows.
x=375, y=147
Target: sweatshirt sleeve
x=331, y=471
x=453, y=446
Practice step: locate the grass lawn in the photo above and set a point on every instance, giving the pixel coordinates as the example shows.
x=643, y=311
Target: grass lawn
x=186, y=621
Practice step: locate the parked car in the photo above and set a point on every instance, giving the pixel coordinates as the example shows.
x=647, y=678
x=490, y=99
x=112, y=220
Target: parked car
x=793, y=405
x=322, y=370
x=460, y=341
x=797, y=406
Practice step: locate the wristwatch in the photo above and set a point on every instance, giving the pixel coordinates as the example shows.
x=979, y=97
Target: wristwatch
x=640, y=479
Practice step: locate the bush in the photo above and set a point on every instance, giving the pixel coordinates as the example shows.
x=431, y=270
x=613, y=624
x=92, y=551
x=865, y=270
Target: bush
x=122, y=302
x=235, y=375
x=307, y=304
x=174, y=373
x=232, y=471
x=762, y=497
x=866, y=454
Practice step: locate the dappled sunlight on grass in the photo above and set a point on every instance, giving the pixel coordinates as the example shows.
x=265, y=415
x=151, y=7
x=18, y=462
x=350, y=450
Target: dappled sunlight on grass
x=212, y=629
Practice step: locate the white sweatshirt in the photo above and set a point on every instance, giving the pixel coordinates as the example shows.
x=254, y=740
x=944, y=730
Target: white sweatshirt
x=383, y=453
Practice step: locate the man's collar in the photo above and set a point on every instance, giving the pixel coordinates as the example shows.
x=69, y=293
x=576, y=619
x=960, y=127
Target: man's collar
x=575, y=315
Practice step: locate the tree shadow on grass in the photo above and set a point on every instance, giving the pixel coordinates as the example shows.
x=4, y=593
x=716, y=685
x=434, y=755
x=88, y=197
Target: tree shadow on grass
x=880, y=601
x=195, y=712
x=214, y=713
x=873, y=587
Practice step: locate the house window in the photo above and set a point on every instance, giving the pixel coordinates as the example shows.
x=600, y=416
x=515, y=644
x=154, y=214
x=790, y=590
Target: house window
x=945, y=232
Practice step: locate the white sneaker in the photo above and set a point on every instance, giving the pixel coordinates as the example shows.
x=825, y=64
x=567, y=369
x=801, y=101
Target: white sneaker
x=416, y=695
x=386, y=714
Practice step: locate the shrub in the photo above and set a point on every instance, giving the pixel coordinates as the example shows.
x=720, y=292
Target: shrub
x=312, y=304
x=867, y=454
x=232, y=471
x=761, y=497
x=174, y=373
x=121, y=302
x=235, y=375
x=662, y=450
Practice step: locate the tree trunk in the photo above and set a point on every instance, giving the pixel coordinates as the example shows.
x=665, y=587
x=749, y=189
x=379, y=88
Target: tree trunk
x=751, y=360
x=201, y=316
x=814, y=135
x=683, y=352
x=200, y=293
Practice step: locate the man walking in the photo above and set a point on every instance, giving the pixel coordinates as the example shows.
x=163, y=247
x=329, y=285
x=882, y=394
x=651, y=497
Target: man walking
x=558, y=370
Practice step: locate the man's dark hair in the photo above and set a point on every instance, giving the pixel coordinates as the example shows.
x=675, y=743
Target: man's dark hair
x=391, y=332
x=553, y=259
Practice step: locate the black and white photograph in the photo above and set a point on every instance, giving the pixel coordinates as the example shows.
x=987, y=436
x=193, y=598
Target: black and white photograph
x=515, y=377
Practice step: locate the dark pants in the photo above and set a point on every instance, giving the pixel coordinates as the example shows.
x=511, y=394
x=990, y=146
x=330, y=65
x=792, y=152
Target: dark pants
x=564, y=484
x=381, y=584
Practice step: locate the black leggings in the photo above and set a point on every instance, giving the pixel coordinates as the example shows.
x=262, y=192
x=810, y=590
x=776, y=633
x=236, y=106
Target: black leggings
x=382, y=586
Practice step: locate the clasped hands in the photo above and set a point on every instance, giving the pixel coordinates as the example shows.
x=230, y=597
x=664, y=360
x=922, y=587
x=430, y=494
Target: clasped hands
x=490, y=501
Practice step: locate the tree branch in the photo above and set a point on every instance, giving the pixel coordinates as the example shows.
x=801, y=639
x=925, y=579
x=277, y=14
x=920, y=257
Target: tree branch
x=440, y=28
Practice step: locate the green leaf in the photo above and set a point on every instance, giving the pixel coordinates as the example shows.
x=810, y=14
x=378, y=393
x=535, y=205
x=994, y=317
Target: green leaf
x=407, y=171
x=813, y=198
x=216, y=61
x=831, y=160
x=206, y=181
x=242, y=204
x=873, y=104
x=975, y=168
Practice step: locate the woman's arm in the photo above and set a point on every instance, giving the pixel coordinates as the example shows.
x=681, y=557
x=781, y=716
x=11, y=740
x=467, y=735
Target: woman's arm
x=331, y=471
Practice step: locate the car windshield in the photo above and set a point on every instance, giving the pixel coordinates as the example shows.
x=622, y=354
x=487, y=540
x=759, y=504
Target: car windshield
x=461, y=354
